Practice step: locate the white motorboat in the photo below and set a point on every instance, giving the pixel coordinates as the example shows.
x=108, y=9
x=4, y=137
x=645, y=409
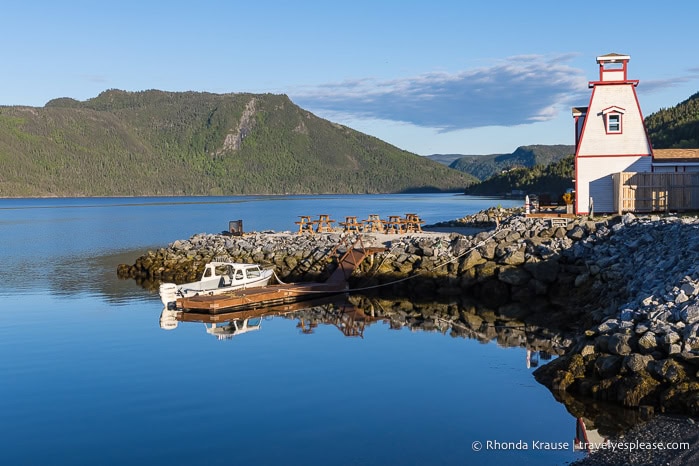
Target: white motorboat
x=218, y=277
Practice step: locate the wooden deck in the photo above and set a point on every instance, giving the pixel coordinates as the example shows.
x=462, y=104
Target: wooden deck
x=278, y=294
x=550, y=215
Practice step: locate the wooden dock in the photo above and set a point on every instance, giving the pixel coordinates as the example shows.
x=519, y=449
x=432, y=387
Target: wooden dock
x=550, y=215
x=284, y=293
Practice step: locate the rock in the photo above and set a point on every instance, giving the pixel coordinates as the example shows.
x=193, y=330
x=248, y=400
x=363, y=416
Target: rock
x=538, y=287
x=668, y=370
x=514, y=258
x=619, y=344
x=576, y=233
x=628, y=218
x=587, y=350
x=514, y=276
x=671, y=337
x=647, y=343
x=608, y=366
x=690, y=315
x=636, y=362
x=607, y=326
x=681, y=298
x=581, y=279
x=486, y=270
x=474, y=321
x=635, y=389
x=460, y=245
x=545, y=271
x=470, y=260
x=487, y=250
x=690, y=289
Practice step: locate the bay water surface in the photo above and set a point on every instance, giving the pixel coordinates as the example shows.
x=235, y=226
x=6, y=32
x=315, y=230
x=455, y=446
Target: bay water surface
x=88, y=376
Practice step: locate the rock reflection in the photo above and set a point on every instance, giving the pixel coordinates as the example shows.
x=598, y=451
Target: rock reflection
x=351, y=315
x=459, y=318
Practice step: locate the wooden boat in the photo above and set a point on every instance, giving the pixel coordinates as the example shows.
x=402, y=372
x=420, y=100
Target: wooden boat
x=217, y=278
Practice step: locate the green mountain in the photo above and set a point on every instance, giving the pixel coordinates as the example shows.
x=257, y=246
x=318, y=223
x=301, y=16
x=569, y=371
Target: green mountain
x=553, y=179
x=485, y=166
x=188, y=143
x=676, y=127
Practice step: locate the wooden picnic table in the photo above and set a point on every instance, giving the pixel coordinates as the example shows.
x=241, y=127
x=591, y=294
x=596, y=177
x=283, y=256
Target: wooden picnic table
x=395, y=224
x=305, y=224
x=374, y=224
x=351, y=224
x=413, y=223
x=324, y=223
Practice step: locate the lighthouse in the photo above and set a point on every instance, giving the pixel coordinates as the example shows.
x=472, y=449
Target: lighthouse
x=610, y=135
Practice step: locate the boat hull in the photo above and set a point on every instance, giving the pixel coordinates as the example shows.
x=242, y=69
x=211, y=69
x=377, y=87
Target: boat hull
x=169, y=292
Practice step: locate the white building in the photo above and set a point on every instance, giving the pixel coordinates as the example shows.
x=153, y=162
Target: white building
x=610, y=136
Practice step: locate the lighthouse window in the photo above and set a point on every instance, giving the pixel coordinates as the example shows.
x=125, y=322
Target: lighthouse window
x=614, y=123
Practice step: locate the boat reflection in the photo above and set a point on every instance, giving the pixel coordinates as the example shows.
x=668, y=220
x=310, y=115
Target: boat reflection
x=343, y=315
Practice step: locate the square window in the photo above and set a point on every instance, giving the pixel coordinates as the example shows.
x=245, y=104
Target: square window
x=614, y=123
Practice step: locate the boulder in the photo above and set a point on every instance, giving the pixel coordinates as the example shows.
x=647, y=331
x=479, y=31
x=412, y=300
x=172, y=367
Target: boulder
x=487, y=270
x=668, y=370
x=647, y=343
x=576, y=233
x=470, y=260
x=545, y=271
x=514, y=258
x=487, y=250
x=690, y=289
x=637, y=362
x=690, y=315
x=620, y=344
x=608, y=366
x=514, y=276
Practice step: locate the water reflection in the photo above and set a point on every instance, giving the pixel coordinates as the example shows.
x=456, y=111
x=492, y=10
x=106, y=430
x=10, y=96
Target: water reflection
x=587, y=436
x=353, y=314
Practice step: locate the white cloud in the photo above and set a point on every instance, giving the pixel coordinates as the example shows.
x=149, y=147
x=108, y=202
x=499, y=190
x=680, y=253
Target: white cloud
x=513, y=91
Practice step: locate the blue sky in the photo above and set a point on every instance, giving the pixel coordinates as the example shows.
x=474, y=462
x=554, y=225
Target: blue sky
x=428, y=77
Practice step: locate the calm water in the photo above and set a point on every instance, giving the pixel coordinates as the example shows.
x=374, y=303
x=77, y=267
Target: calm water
x=89, y=377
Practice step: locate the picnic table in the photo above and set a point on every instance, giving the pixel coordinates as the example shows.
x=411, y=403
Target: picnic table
x=351, y=224
x=305, y=224
x=374, y=224
x=413, y=223
x=395, y=224
x=324, y=223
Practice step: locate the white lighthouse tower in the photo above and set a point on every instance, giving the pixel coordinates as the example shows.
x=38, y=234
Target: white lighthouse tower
x=610, y=135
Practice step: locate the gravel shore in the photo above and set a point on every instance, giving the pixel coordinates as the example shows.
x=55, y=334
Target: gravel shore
x=668, y=430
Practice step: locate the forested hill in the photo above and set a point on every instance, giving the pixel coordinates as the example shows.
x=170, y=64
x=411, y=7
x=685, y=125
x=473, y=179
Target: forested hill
x=485, y=166
x=553, y=179
x=188, y=143
x=676, y=127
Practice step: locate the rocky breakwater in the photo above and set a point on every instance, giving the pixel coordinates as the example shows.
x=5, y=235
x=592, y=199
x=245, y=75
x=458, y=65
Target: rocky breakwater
x=642, y=351
x=516, y=267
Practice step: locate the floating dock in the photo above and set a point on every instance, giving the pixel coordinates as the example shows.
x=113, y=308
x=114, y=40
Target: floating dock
x=284, y=293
